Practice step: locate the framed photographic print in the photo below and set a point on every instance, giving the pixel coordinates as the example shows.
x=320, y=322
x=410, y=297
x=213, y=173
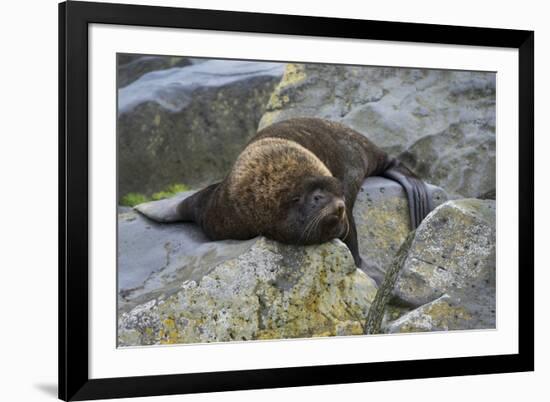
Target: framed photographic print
x=258, y=200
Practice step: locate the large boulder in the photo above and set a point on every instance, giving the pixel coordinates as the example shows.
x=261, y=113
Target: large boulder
x=449, y=270
x=442, y=314
x=130, y=67
x=270, y=291
x=381, y=215
x=155, y=259
x=440, y=122
x=188, y=124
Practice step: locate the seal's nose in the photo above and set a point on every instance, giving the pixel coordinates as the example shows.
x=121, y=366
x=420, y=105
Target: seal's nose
x=340, y=208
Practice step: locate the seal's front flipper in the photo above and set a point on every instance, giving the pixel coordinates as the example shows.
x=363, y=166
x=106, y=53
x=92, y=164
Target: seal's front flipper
x=420, y=203
x=191, y=208
x=163, y=211
x=351, y=240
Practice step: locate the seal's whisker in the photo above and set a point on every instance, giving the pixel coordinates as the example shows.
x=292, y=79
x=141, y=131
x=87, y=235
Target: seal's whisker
x=307, y=228
x=315, y=222
x=312, y=223
x=347, y=228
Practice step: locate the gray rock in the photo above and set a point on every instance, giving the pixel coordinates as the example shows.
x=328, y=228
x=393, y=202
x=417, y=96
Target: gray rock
x=258, y=289
x=442, y=314
x=270, y=291
x=154, y=258
x=173, y=88
x=440, y=123
x=381, y=215
x=452, y=255
x=188, y=124
x=130, y=67
x=380, y=309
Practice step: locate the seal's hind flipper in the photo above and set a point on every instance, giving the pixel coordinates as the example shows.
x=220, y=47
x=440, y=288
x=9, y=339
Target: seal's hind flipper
x=420, y=203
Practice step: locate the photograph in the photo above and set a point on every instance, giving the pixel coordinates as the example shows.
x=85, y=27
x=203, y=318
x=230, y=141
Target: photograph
x=270, y=199
x=275, y=201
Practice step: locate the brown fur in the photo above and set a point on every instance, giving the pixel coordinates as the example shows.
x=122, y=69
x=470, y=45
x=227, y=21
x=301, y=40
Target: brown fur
x=264, y=173
x=302, y=159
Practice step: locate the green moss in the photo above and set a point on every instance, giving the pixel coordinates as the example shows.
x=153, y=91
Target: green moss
x=133, y=199
x=170, y=191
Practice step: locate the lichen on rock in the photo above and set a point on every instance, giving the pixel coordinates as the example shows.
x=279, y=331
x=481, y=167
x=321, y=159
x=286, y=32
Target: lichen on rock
x=271, y=291
x=188, y=124
x=177, y=286
x=453, y=251
x=452, y=257
x=440, y=123
x=381, y=215
x=442, y=314
x=298, y=291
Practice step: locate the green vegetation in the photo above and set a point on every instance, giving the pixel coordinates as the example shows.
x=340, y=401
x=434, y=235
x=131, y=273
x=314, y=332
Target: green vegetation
x=170, y=191
x=133, y=199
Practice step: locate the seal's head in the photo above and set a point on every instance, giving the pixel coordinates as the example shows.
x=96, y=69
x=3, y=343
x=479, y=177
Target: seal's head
x=313, y=212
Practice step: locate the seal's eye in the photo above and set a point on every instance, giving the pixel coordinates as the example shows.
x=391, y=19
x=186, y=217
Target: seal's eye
x=295, y=200
x=318, y=197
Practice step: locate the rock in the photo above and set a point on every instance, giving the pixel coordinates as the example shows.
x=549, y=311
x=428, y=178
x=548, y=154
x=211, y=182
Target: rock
x=381, y=215
x=452, y=255
x=443, y=314
x=154, y=260
x=130, y=67
x=440, y=123
x=379, y=310
x=188, y=124
x=270, y=291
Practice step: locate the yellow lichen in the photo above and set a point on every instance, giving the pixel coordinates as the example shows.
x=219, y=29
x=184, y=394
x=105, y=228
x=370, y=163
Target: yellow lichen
x=323, y=334
x=349, y=328
x=268, y=119
x=441, y=315
x=389, y=225
x=443, y=312
x=311, y=300
x=294, y=73
x=169, y=334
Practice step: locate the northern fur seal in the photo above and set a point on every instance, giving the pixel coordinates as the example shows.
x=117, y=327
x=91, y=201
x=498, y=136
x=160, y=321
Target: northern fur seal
x=296, y=182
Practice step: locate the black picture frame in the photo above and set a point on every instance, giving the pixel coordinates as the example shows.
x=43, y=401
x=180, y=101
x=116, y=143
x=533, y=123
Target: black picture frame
x=74, y=18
